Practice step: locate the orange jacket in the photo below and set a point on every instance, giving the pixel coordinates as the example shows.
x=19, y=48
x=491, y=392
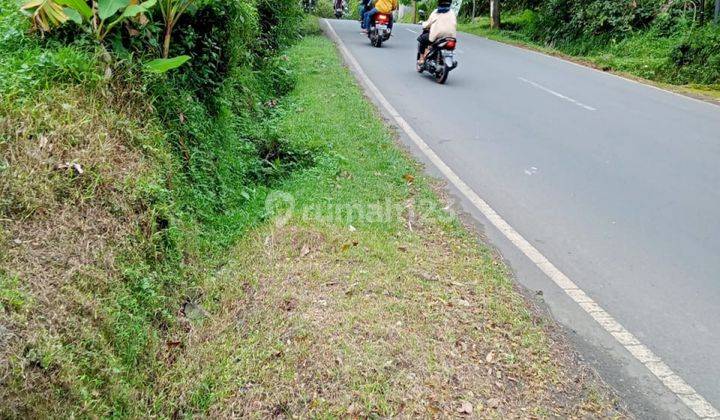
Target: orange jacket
x=386, y=6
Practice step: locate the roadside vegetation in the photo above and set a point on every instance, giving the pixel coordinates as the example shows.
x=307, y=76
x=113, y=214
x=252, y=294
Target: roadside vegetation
x=368, y=298
x=666, y=41
x=143, y=273
x=123, y=178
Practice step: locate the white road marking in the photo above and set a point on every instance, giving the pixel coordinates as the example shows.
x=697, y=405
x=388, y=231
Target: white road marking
x=606, y=73
x=694, y=401
x=410, y=30
x=559, y=95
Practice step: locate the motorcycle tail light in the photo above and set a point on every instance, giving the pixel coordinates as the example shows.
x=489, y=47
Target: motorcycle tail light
x=382, y=18
x=450, y=44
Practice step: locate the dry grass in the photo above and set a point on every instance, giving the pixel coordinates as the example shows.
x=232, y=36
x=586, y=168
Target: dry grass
x=319, y=321
x=408, y=317
x=62, y=226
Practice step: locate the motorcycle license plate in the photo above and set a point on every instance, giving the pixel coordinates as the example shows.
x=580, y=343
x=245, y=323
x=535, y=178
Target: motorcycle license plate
x=381, y=27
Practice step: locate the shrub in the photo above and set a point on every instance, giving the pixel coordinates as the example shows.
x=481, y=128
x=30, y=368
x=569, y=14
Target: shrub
x=325, y=9
x=279, y=23
x=697, y=58
x=592, y=23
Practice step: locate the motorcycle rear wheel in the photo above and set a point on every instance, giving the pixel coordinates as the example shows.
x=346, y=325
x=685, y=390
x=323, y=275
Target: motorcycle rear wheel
x=442, y=74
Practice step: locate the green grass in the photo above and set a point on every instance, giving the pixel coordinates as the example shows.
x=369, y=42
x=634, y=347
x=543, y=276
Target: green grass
x=27, y=66
x=94, y=266
x=346, y=309
x=97, y=267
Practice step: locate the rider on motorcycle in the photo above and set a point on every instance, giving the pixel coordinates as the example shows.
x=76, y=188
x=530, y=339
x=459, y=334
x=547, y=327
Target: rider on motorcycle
x=442, y=23
x=381, y=6
x=365, y=5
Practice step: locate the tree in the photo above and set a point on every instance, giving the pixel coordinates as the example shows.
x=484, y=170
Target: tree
x=717, y=11
x=495, y=14
x=171, y=11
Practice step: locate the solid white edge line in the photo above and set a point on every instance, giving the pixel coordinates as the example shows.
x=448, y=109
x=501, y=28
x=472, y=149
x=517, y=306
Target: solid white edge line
x=694, y=401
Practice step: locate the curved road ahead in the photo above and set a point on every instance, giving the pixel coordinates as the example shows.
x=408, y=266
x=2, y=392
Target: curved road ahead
x=616, y=183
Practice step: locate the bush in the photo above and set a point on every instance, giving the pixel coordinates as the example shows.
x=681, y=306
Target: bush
x=218, y=37
x=697, y=58
x=325, y=9
x=592, y=23
x=216, y=108
x=279, y=22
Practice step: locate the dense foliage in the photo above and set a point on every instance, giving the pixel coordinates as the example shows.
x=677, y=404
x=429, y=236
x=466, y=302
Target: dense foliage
x=173, y=161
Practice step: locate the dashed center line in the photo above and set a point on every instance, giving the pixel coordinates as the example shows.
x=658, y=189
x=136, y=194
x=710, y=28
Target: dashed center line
x=559, y=95
x=410, y=30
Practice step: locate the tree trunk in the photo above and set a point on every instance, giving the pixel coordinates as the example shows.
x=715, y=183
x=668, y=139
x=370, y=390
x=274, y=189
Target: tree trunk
x=166, y=40
x=717, y=11
x=473, y=11
x=495, y=14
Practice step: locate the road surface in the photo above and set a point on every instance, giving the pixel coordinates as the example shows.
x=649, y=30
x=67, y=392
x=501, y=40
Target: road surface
x=616, y=183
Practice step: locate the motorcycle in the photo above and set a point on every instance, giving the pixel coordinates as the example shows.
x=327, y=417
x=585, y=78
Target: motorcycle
x=440, y=59
x=379, y=30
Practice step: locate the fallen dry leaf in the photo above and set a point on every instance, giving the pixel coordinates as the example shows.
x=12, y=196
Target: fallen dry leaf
x=463, y=302
x=426, y=276
x=465, y=408
x=353, y=410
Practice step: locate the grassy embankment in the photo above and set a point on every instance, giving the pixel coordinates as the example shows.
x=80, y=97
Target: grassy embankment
x=644, y=54
x=370, y=300
x=120, y=190
x=122, y=194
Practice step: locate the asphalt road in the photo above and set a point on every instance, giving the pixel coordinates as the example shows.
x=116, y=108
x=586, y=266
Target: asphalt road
x=615, y=182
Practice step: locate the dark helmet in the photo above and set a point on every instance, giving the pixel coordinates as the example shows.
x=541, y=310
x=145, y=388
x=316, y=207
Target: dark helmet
x=444, y=3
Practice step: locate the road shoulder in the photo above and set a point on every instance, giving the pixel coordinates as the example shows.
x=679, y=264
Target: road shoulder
x=650, y=395
x=368, y=298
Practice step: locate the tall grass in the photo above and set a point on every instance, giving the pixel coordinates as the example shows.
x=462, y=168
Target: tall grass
x=95, y=266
